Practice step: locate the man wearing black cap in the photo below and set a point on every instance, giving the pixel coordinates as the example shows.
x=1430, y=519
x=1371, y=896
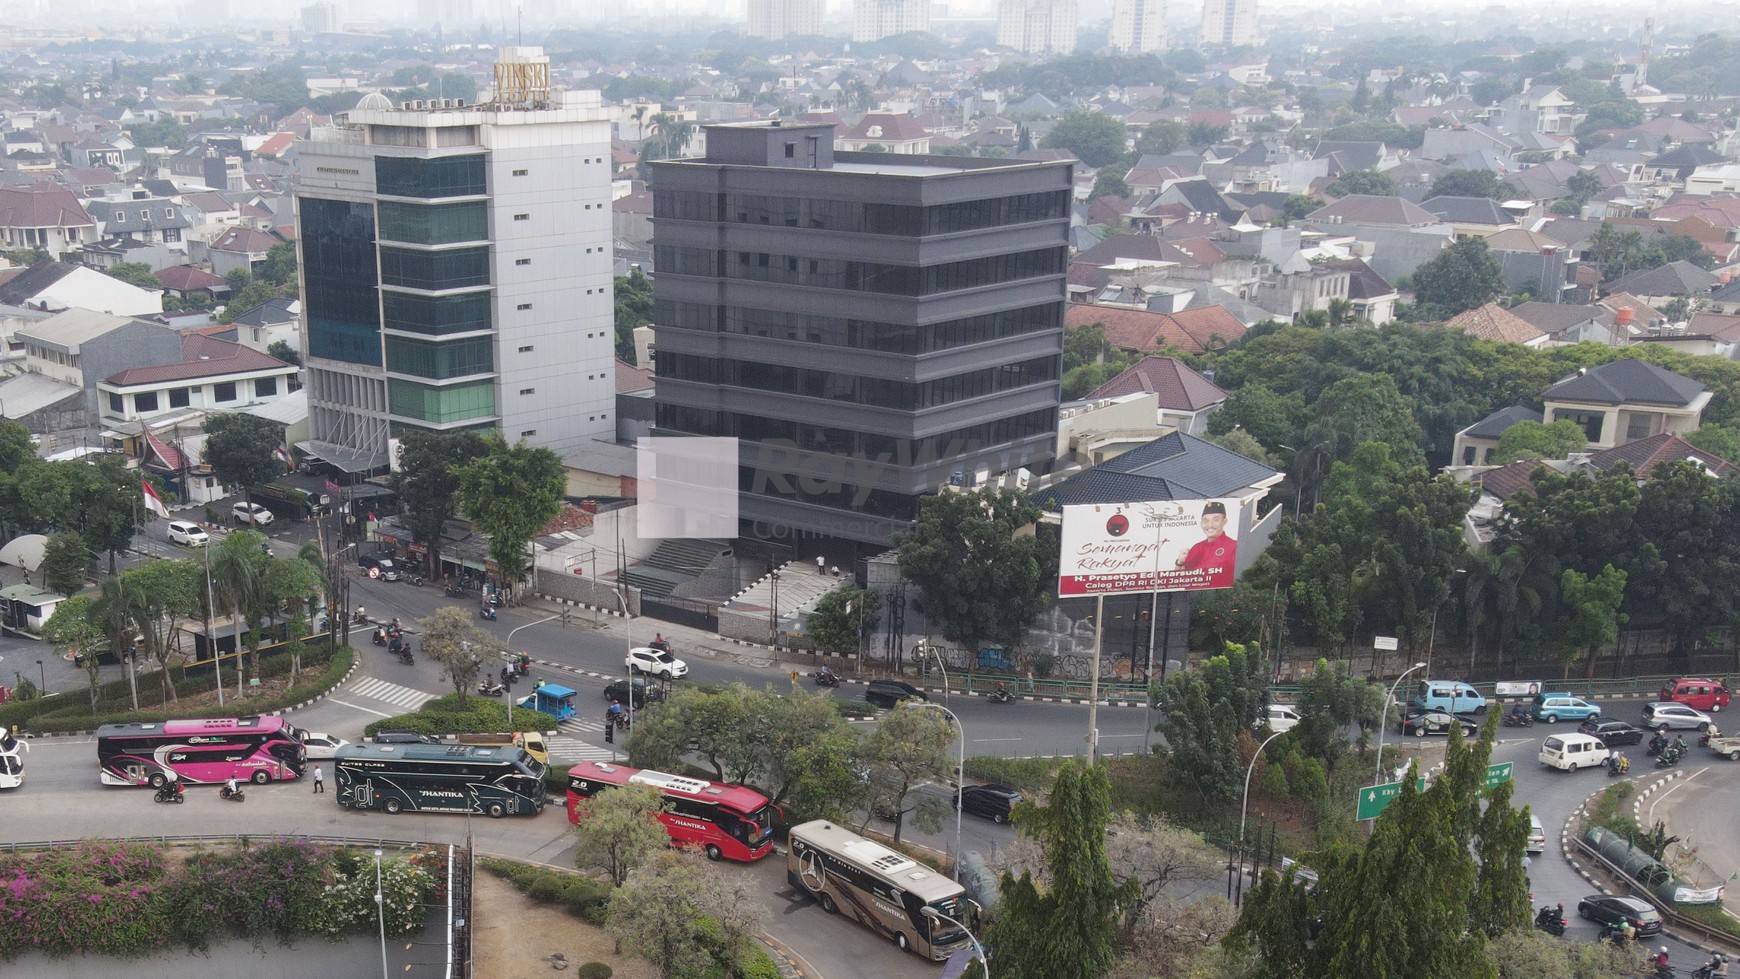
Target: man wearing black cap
x=1216, y=551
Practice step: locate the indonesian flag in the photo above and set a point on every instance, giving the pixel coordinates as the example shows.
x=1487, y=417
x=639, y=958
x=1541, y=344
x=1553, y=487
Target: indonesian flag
x=283, y=456
x=153, y=502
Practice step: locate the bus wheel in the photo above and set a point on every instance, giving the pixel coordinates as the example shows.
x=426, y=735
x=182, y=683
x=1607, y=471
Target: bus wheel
x=828, y=904
x=261, y=776
x=391, y=806
x=158, y=780
x=714, y=853
x=900, y=941
x=497, y=810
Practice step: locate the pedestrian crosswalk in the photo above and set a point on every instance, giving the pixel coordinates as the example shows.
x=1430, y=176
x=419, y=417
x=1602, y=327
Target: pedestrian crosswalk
x=392, y=693
x=569, y=746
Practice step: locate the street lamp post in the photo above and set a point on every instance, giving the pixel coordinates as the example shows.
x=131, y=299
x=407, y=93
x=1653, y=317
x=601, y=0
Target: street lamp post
x=1432, y=637
x=510, y=649
x=940, y=667
x=773, y=613
x=978, y=949
x=960, y=773
x=1383, y=720
x=1244, y=810
x=381, y=914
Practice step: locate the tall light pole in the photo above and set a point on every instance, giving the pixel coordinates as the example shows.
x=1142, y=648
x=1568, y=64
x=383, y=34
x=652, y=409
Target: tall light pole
x=1432, y=637
x=773, y=613
x=978, y=949
x=381, y=913
x=940, y=667
x=960, y=772
x=1383, y=720
x=1244, y=810
x=217, y=663
x=510, y=646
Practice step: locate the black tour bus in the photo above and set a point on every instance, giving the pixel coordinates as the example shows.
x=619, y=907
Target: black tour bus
x=490, y=780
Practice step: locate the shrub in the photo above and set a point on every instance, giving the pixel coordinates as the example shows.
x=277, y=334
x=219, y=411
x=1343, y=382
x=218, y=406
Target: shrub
x=584, y=892
x=853, y=708
x=1022, y=773
x=444, y=715
x=592, y=970
x=547, y=888
x=755, y=963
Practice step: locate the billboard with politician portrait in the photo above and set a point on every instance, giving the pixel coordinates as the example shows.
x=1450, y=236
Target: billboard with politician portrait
x=1164, y=545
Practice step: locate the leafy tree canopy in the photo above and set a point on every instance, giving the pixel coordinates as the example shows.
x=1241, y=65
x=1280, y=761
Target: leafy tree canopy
x=1095, y=138
x=239, y=448
x=983, y=575
x=1533, y=440
x=1361, y=182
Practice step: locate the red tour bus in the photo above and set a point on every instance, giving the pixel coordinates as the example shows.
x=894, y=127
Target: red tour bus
x=728, y=821
x=245, y=748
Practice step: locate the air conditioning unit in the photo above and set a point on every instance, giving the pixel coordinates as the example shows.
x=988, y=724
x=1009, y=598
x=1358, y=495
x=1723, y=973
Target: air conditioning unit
x=459, y=103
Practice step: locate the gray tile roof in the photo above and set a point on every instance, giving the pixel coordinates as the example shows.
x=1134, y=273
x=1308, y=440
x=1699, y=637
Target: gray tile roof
x=1468, y=210
x=1673, y=279
x=1493, y=425
x=1172, y=467
x=1628, y=381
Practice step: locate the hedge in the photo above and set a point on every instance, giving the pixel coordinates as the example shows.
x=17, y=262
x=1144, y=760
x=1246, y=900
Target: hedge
x=71, y=711
x=479, y=715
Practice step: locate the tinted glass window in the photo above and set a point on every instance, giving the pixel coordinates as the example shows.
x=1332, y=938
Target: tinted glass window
x=437, y=315
x=435, y=270
x=338, y=269
x=434, y=224
x=450, y=176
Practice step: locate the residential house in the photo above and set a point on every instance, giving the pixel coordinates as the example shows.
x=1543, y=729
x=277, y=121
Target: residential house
x=209, y=374
x=1184, y=399
x=44, y=216
x=1627, y=400
x=1138, y=331
x=1398, y=236
x=1533, y=262
x=192, y=284
x=1494, y=322
x=1373, y=298
x=1538, y=109
x=1345, y=156
x=1568, y=323
x=1266, y=167
x=55, y=286
x=899, y=134
x=78, y=347
x=141, y=218
x=1475, y=444
x=1470, y=217
x=1675, y=280
x=236, y=248
x=1460, y=141
x=1297, y=287
x=1719, y=178
x=1705, y=334
x=273, y=321
x=1726, y=297
x=1674, y=166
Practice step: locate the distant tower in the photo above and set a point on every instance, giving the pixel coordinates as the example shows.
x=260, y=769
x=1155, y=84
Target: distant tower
x=1643, y=52
x=1037, y=26
x=1229, y=23
x=1138, y=26
x=774, y=19
x=873, y=20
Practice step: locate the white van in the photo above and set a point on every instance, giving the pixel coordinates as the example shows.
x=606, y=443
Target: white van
x=1282, y=717
x=1569, y=752
x=188, y=533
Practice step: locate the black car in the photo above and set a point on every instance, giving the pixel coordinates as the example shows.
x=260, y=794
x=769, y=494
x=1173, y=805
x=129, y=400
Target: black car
x=889, y=693
x=1422, y=723
x=994, y=802
x=644, y=692
x=1608, y=910
x=1611, y=733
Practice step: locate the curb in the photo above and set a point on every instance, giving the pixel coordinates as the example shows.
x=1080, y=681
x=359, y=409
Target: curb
x=791, y=964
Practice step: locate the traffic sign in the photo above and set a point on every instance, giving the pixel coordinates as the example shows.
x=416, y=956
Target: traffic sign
x=1387, y=643
x=1374, y=799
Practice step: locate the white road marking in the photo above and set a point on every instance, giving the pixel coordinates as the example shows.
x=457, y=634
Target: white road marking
x=366, y=710
x=393, y=693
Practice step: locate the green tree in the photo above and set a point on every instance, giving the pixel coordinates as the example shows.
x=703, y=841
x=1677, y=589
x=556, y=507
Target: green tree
x=1329, y=702
x=427, y=482
x=685, y=916
x=837, y=621
x=618, y=831
x=804, y=752
x=239, y=448
x=238, y=572
x=1684, y=519
x=1533, y=440
x=1109, y=183
x=73, y=629
x=1064, y=925
x=708, y=724
x=1088, y=345
x=1245, y=444
x=282, y=350
x=1297, y=206
x=912, y=746
x=1207, y=710
x=136, y=274
x=634, y=307
x=1271, y=418
x=279, y=268
x=106, y=500
x=159, y=597
x=1460, y=278
x=1472, y=183
x=39, y=495
x=63, y=562
x=1095, y=138
x=1364, y=408
x=1719, y=440
x=1501, y=893
x=451, y=640
x=510, y=495
x=983, y=564
x=1361, y=182
x=1079, y=382
x=1162, y=137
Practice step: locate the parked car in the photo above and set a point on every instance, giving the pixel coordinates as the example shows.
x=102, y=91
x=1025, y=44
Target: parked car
x=322, y=746
x=1282, y=717
x=889, y=693
x=1604, y=909
x=188, y=534
x=1555, y=707
x=644, y=692
x=1613, y=734
x=1697, y=693
x=994, y=802
x=1423, y=722
x=645, y=659
x=251, y=513
x=1537, y=842
x=1664, y=716
x=380, y=566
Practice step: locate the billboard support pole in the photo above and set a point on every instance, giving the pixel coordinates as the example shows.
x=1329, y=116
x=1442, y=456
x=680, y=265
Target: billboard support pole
x=1093, y=737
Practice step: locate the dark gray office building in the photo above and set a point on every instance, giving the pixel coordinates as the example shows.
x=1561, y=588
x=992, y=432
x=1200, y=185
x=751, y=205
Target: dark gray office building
x=871, y=326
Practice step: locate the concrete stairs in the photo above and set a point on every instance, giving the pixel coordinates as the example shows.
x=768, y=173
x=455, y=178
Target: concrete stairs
x=671, y=564
x=800, y=588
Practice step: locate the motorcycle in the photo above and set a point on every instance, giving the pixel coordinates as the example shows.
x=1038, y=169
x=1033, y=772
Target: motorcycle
x=1709, y=732
x=1669, y=757
x=1000, y=696
x=1551, y=921
x=1708, y=969
x=826, y=677
x=487, y=612
x=415, y=579
x=1618, y=766
x=170, y=792
x=619, y=720
x=663, y=645
x=359, y=617
x=454, y=591
x=1657, y=743
x=405, y=656
x=236, y=796
x=490, y=688
x=380, y=637
x=395, y=644
x=1519, y=717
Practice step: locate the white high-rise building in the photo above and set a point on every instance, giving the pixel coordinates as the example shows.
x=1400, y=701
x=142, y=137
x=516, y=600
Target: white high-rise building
x=774, y=19
x=873, y=20
x=457, y=269
x=1037, y=26
x=1138, y=26
x=320, y=18
x=1229, y=23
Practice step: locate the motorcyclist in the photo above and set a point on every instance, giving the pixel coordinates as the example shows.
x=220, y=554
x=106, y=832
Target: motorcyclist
x=1680, y=743
x=1717, y=966
x=1657, y=743
x=1629, y=930
x=230, y=787
x=1624, y=763
x=504, y=676
x=1660, y=958
x=614, y=713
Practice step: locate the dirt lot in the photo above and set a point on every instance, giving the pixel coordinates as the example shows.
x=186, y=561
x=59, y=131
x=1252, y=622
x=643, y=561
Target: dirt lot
x=516, y=937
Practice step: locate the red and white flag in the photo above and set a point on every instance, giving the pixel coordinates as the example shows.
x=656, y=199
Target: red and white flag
x=153, y=502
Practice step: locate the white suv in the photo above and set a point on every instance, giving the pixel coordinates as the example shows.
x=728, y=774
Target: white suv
x=251, y=513
x=645, y=659
x=188, y=533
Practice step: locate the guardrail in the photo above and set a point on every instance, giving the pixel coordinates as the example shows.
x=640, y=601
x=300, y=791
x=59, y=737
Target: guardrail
x=1639, y=890
x=1646, y=687
x=968, y=683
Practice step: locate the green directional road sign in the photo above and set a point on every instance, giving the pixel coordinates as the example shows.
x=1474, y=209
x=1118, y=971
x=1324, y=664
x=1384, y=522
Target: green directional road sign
x=1374, y=799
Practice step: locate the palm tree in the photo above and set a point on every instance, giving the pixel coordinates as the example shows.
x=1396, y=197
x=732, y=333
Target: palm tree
x=117, y=612
x=237, y=584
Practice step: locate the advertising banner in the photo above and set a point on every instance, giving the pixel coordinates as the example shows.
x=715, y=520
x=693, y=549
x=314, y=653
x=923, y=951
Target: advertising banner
x=1165, y=545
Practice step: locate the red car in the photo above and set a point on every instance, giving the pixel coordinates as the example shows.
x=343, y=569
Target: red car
x=1701, y=693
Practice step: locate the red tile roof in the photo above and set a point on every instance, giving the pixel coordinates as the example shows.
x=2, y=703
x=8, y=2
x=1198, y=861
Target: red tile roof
x=184, y=277
x=885, y=125
x=630, y=378
x=1179, y=388
x=244, y=240
x=1494, y=322
x=201, y=356
x=1194, y=330
x=1507, y=481
x=1645, y=454
x=42, y=206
